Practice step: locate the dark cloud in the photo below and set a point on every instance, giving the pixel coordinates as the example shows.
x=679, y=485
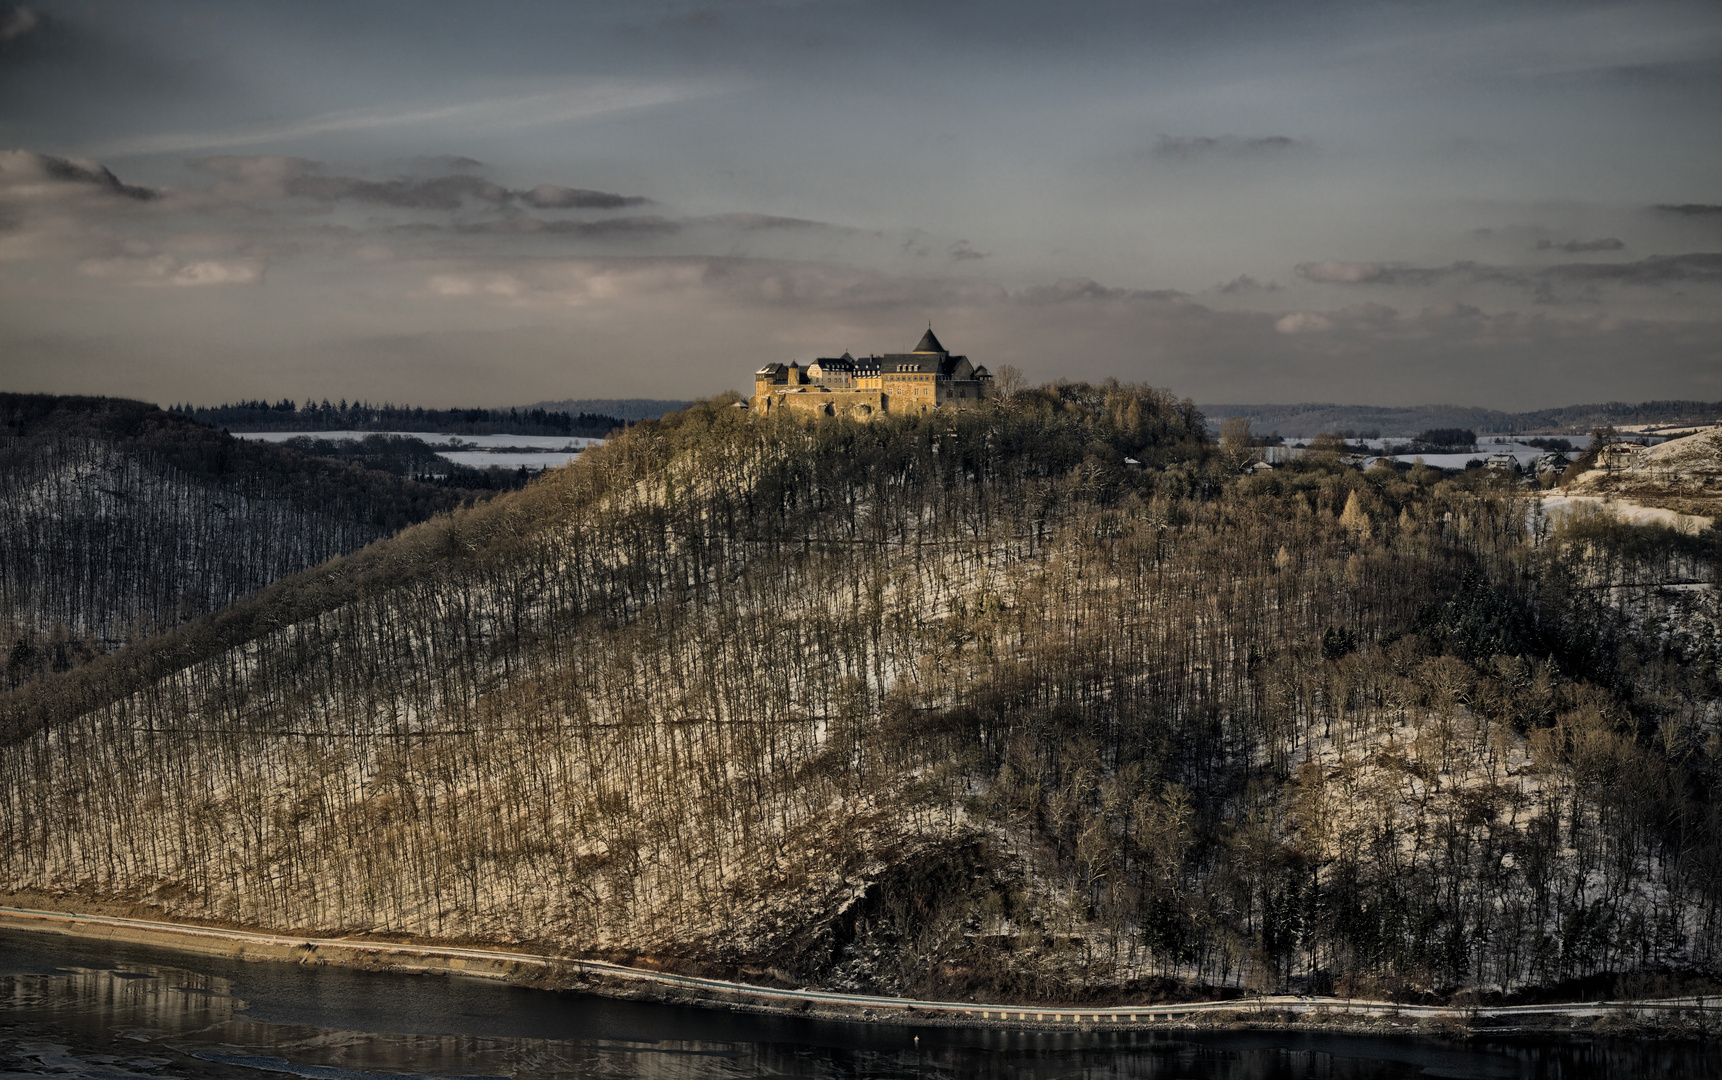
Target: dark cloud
x=1656, y=270
x=758, y=222
x=962, y=252
x=68, y=171
x=1689, y=209
x=451, y=162
x=1244, y=283
x=552, y=197
x=1338, y=272
x=1194, y=147
x=1579, y=246
x=1695, y=267
x=1072, y=290
x=17, y=22
x=442, y=193
x=623, y=226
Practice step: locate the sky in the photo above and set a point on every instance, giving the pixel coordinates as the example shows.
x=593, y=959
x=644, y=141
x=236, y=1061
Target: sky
x=1508, y=204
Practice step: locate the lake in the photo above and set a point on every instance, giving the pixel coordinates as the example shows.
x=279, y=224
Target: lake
x=71, y=1008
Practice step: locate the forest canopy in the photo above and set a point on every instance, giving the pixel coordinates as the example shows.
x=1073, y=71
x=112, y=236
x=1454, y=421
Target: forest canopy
x=1051, y=701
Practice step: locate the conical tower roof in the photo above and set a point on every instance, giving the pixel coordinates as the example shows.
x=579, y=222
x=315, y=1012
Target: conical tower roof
x=930, y=343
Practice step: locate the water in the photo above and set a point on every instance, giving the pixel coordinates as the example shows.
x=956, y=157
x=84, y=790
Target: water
x=72, y=1008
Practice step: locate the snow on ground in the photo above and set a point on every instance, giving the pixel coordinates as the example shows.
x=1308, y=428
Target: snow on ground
x=485, y=459
x=1627, y=509
x=533, y=452
x=534, y=442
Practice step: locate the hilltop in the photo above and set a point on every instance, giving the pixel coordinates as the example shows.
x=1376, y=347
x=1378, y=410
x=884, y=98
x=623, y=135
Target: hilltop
x=943, y=705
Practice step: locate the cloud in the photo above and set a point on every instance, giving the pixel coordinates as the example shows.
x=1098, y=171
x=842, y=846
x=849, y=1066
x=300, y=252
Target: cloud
x=301, y=178
x=649, y=225
x=962, y=252
x=1244, y=284
x=168, y=270
x=1196, y=147
x=1335, y=272
x=1690, y=209
x=442, y=193
x=1067, y=290
x=766, y=222
x=1697, y=267
x=552, y=197
x=562, y=105
x=1303, y=322
x=20, y=168
x=1578, y=246
x=17, y=22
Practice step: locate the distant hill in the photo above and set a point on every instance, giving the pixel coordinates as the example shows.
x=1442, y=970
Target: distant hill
x=621, y=408
x=119, y=519
x=1404, y=422
x=286, y=415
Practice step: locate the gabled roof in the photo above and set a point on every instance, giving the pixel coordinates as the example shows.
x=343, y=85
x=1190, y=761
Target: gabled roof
x=930, y=343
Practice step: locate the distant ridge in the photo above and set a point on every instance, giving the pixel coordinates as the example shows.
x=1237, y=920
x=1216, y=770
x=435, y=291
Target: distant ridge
x=620, y=408
x=1403, y=422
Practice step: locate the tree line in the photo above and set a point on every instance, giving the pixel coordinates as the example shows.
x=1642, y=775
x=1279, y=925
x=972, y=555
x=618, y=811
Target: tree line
x=288, y=415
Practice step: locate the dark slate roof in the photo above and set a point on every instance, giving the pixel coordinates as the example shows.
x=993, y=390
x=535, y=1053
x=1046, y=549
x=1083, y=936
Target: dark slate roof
x=925, y=363
x=842, y=363
x=930, y=343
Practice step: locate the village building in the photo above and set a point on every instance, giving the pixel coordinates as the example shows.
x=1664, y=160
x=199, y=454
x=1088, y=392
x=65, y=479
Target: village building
x=914, y=382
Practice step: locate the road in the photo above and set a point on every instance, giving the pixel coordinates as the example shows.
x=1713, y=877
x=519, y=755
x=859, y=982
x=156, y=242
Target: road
x=500, y=963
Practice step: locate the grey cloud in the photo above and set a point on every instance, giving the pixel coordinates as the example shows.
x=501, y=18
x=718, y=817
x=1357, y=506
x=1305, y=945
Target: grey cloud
x=1069, y=290
x=442, y=193
x=552, y=197
x=451, y=192
x=68, y=171
x=1338, y=272
x=764, y=222
x=17, y=22
x=625, y=226
x=962, y=252
x=1689, y=209
x=1694, y=267
x=1193, y=147
x=1578, y=246
x=1656, y=270
x=1244, y=283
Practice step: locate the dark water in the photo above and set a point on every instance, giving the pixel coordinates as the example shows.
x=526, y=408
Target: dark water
x=84, y=1009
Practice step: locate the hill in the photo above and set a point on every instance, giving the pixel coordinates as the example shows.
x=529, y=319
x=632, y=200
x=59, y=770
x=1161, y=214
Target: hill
x=287, y=415
x=622, y=408
x=118, y=520
x=1309, y=419
x=942, y=705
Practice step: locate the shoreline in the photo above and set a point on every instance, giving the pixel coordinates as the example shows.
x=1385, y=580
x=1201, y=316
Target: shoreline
x=1666, y=1017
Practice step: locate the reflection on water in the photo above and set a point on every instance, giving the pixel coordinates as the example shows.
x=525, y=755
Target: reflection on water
x=84, y=1009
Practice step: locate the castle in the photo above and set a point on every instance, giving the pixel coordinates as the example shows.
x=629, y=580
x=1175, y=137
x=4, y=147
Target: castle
x=928, y=378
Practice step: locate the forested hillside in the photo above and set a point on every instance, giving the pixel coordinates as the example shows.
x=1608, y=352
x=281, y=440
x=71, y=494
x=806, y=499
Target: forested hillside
x=288, y=415
x=118, y=519
x=946, y=705
x=1405, y=422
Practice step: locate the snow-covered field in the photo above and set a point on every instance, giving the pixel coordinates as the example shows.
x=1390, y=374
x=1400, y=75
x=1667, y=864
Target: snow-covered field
x=478, y=451
x=1626, y=509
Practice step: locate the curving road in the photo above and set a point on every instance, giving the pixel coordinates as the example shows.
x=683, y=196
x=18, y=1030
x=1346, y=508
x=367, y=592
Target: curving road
x=502, y=963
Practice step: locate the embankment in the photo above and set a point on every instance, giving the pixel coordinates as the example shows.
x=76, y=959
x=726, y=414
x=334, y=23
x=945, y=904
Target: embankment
x=1669, y=1016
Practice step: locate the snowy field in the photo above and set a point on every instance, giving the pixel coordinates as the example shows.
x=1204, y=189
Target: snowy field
x=1627, y=509
x=533, y=452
